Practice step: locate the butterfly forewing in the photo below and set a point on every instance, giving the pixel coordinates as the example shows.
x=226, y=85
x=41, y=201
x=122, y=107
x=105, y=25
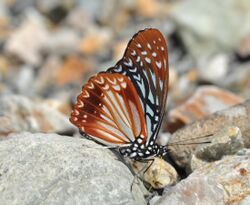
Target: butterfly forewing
x=145, y=63
x=109, y=110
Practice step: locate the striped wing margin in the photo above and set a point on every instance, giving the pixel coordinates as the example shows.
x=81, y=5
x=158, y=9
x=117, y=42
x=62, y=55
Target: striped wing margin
x=109, y=110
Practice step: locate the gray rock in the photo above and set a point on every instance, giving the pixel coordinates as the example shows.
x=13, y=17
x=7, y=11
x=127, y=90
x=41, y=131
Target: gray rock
x=48, y=5
x=215, y=69
x=194, y=191
x=192, y=135
x=62, y=42
x=53, y=169
x=226, y=181
x=232, y=172
x=24, y=78
x=245, y=201
x=18, y=113
x=211, y=27
x=227, y=141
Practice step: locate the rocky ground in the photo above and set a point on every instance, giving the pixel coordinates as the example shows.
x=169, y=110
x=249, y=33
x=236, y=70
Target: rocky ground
x=49, y=48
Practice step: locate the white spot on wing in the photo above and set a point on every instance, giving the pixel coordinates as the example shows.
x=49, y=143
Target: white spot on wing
x=116, y=87
x=144, y=53
x=149, y=46
x=100, y=80
x=133, y=70
x=133, y=53
x=120, y=79
x=80, y=104
x=129, y=63
x=158, y=64
x=138, y=45
x=91, y=85
x=118, y=69
x=111, y=81
x=147, y=60
x=76, y=112
x=106, y=87
x=154, y=54
x=124, y=85
x=85, y=94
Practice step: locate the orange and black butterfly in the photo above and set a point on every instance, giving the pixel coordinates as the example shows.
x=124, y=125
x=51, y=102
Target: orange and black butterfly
x=124, y=106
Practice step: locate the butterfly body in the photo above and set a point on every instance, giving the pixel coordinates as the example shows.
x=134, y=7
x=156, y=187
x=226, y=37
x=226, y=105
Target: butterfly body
x=124, y=106
x=139, y=151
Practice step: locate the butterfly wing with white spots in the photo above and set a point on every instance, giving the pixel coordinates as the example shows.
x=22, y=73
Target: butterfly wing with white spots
x=109, y=110
x=145, y=63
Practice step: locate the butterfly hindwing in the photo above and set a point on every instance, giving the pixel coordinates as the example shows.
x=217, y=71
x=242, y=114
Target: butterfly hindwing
x=109, y=110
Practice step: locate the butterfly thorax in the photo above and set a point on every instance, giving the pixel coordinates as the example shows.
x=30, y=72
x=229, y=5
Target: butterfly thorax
x=139, y=150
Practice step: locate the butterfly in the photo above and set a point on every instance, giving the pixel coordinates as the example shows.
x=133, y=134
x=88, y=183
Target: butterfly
x=124, y=106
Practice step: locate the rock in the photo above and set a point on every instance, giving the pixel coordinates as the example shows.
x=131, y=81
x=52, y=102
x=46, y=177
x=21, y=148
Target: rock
x=192, y=135
x=63, y=42
x=208, y=28
x=46, y=75
x=53, y=169
x=238, y=79
x=119, y=50
x=48, y=5
x=95, y=41
x=57, y=77
x=30, y=37
x=227, y=141
x=24, y=79
x=195, y=190
x=222, y=182
x=19, y=7
x=245, y=201
x=72, y=71
x=205, y=101
x=4, y=22
x=215, y=69
x=148, y=9
x=158, y=173
x=244, y=47
x=18, y=113
x=73, y=19
x=232, y=172
x=152, y=8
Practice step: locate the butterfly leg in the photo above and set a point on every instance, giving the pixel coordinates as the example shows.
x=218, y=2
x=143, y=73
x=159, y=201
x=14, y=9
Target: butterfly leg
x=142, y=171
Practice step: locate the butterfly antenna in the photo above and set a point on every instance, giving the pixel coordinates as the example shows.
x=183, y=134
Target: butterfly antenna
x=191, y=139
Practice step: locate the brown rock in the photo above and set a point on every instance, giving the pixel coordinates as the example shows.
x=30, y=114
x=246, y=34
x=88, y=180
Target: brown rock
x=72, y=71
x=193, y=134
x=22, y=114
x=206, y=100
x=95, y=41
